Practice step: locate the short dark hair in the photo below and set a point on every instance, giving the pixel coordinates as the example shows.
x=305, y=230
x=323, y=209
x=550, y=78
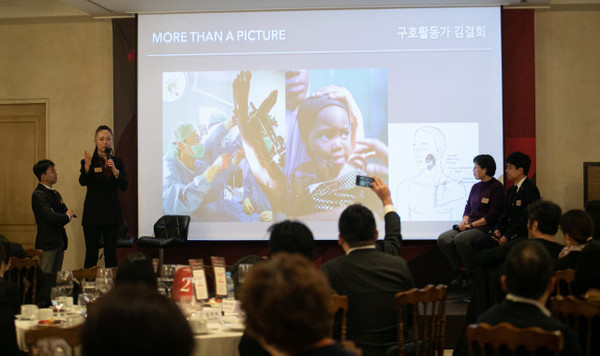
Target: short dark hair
x=547, y=215
x=357, y=225
x=102, y=128
x=136, y=268
x=528, y=269
x=578, y=224
x=519, y=160
x=291, y=236
x=286, y=301
x=133, y=319
x=41, y=167
x=487, y=162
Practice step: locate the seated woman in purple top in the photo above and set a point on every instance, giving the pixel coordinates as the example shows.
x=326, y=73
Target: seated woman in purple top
x=483, y=208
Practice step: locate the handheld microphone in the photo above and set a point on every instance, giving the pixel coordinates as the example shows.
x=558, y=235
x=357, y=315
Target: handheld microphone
x=108, y=152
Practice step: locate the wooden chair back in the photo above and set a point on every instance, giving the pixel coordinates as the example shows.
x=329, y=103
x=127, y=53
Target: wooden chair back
x=564, y=282
x=489, y=339
x=23, y=273
x=582, y=316
x=424, y=312
x=34, y=252
x=89, y=274
x=339, y=303
x=71, y=335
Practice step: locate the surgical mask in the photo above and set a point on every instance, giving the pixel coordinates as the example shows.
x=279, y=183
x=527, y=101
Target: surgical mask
x=198, y=150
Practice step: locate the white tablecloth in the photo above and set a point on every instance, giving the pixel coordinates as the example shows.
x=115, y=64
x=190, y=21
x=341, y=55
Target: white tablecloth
x=217, y=342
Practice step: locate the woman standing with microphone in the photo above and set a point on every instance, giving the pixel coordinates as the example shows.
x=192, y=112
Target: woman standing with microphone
x=103, y=174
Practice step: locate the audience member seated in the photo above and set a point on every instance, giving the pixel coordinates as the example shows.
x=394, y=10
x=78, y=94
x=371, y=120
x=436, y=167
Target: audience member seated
x=369, y=277
x=542, y=224
x=133, y=319
x=483, y=208
x=528, y=281
x=512, y=223
x=587, y=272
x=286, y=301
x=43, y=284
x=136, y=269
x=9, y=307
x=577, y=228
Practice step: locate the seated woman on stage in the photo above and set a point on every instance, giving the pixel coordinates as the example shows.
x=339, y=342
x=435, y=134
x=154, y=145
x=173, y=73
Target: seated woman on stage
x=481, y=213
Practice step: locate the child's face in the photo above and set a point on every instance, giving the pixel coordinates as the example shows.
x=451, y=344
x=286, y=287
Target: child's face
x=329, y=139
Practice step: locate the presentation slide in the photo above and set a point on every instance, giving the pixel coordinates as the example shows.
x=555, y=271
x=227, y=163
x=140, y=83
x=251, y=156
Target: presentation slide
x=246, y=119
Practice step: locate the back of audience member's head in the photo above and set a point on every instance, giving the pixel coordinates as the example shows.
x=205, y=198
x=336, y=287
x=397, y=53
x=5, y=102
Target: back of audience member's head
x=41, y=167
x=291, y=236
x=357, y=226
x=528, y=269
x=133, y=319
x=593, y=208
x=577, y=224
x=286, y=301
x=519, y=160
x=136, y=268
x=487, y=162
x=547, y=215
x=587, y=271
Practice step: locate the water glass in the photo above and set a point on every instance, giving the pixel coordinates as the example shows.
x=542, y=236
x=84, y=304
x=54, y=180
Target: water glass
x=243, y=269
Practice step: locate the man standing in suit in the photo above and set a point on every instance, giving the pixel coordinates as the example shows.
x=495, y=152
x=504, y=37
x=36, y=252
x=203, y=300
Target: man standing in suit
x=528, y=281
x=51, y=215
x=370, y=274
x=513, y=222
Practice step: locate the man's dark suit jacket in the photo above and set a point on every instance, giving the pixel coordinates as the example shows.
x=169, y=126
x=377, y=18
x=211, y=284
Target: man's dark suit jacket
x=513, y=221
x=102, y=206
x=370, y=278
x=50, y=217
x=524, y=315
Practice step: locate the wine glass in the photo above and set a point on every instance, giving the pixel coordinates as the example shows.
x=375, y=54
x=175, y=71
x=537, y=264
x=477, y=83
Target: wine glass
x=104, y=280
x=243, y=269
x=56, y=297
x=166, y=277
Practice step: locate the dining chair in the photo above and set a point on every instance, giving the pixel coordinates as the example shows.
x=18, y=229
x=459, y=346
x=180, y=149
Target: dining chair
x=339, y=306
x=34, y=253
x=71, y=335
x=169, y=231
x=422, y=314
x=88, y=274
x=582, y=316
x=564, y=282
x=23, y=274
x=485, y=339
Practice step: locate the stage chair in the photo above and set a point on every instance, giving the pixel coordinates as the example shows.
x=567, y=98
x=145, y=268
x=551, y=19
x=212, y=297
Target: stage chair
x=123, y=241
x=71, y=335
x=582, y=316
x=564, y=282
x=484, y=339
x=169, y=230
x=339, y=303
x=423, y=312
x=23, y=274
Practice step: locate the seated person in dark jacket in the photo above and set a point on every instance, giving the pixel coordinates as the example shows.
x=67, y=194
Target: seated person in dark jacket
x=577, y=228
x=587, y=272
x=9, y=307
x=512, y=223
x=369, y=277
x=528, y=281
x=286, y=301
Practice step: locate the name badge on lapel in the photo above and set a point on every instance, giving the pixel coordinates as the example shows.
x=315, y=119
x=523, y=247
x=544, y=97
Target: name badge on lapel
x=97, y=169
x=518, y=203
x=485, y=200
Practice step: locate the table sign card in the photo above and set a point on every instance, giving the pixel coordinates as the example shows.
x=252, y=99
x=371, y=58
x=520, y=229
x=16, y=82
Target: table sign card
x=220, y=279
x=213, y=315
x=230, y=306
x=199, y=279
x=182, y=283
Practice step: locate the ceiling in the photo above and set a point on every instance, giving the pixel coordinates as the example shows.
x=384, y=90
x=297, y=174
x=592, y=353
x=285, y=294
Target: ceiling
x=27, y=9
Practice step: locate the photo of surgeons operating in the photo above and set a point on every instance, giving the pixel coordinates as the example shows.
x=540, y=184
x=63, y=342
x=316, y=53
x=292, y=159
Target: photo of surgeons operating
x=264, y=146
